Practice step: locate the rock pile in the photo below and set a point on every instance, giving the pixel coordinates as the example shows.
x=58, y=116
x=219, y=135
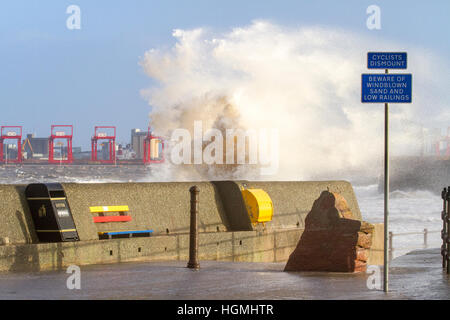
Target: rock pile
x=333, y=240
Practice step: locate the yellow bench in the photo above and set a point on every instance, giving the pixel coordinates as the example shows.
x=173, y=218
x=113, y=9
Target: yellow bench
x=102, y=209
x=120, y=218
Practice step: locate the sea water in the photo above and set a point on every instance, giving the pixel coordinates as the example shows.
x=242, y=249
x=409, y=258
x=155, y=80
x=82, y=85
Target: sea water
x=409, y=211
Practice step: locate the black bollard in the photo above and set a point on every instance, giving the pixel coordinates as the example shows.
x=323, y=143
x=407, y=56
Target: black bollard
x=444, y=232
x=447, y=230
x=193, y=241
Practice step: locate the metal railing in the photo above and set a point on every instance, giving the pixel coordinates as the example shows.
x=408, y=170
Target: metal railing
x=445, y=248
x=425, y=233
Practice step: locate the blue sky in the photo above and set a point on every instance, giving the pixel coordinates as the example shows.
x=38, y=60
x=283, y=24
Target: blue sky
x=52, y=75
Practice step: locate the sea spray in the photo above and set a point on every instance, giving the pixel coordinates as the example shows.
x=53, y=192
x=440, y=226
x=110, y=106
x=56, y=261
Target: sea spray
x=305, y=82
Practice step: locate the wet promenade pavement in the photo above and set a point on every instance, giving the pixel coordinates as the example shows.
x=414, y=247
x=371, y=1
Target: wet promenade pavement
x=417, y=275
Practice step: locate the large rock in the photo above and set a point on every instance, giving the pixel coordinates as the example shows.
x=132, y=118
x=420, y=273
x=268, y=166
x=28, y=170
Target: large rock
x=333, y=240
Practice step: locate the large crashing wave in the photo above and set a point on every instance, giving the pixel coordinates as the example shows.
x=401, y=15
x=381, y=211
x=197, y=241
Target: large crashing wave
x=305, y=82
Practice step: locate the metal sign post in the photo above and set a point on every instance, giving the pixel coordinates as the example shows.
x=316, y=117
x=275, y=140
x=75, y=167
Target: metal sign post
x=387, y=88
x=386, y=197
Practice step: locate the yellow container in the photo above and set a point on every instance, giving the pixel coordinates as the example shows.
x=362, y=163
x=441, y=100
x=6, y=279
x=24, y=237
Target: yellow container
x=259, y=205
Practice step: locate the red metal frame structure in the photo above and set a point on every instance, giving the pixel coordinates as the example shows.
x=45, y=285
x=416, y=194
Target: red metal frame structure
x=447, y=141
x=60, y=135
x=148, y=148
x=11, y=135
x=111, y=144
x=438, y=149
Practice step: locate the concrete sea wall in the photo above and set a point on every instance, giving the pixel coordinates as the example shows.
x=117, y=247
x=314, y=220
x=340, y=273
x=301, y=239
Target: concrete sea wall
x=226, y=232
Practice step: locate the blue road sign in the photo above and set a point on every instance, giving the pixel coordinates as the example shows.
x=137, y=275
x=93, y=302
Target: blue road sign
x=386, y=88
x=386, y=60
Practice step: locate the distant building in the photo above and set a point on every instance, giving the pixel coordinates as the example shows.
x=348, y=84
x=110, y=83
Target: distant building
x=79, y=154
x=103, y=153
x=35, y=147
x=9, y=151
x=431, y=141
x=83, y=155
x=137, y=142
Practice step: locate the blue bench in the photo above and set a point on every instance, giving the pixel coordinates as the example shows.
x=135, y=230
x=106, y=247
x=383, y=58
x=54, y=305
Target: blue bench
x=130, y=234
